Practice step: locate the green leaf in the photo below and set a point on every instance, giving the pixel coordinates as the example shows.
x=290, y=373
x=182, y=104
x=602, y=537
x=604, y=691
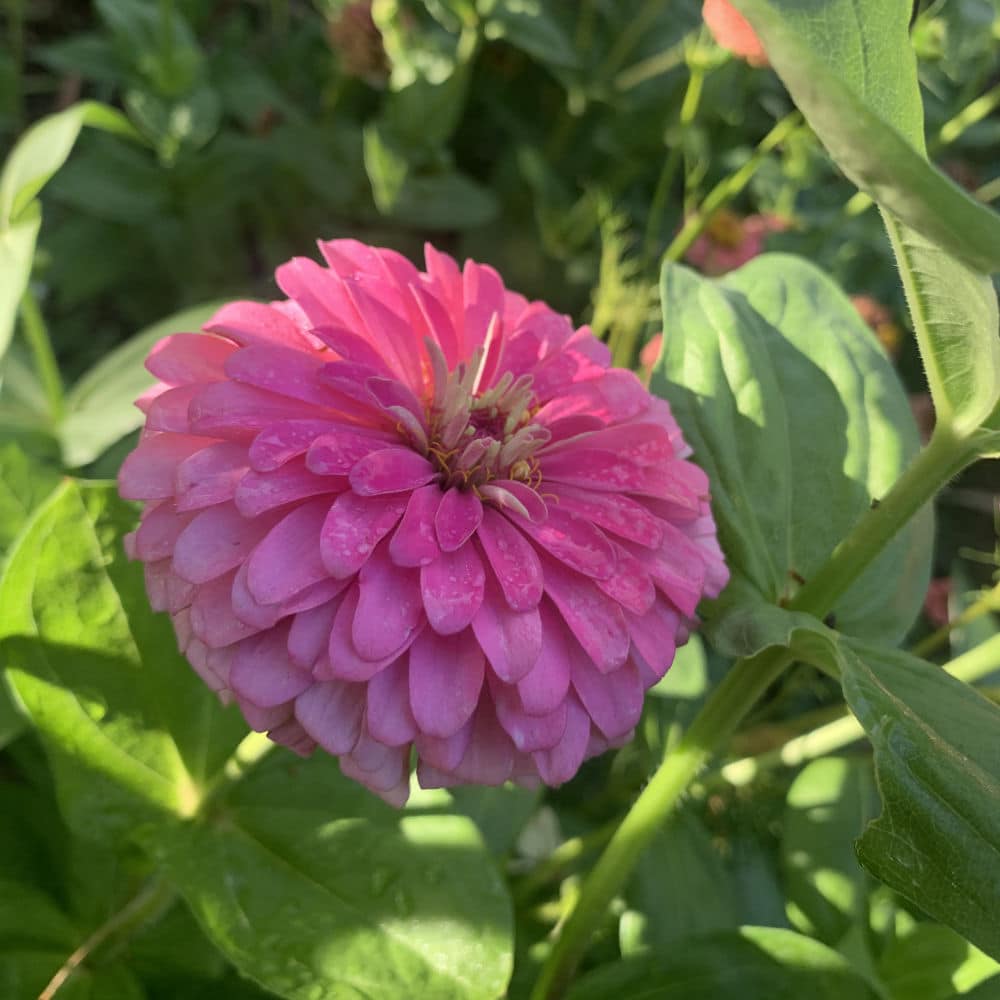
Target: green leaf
x=100, y=408
x=386, y=167
x=313, y=887
x=827, y=807
x=932, y=963
x=754, y=963
x=23, y=486
x=680, y=887
x=937, y=760
x=849, y=66
x=530, y=26
x=132, y=734
x=800, y=422
x=17, y=251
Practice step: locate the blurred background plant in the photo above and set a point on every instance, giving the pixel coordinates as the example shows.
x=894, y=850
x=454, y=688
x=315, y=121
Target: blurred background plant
x=573, y=146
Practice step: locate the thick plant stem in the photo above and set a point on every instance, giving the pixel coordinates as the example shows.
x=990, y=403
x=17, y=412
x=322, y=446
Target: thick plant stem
x=943, y=457
x=719, y=717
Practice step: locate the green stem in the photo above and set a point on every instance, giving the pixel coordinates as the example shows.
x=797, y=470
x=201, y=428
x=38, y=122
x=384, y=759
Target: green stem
x=987, y=602
x=729, y=187
x=989, y=191
x=630, y=38
x=37, y=337
x=726, y=706
x=943, y=457
x=564, y=856
x=972, y=113
x=151, y=901
x=648, y=69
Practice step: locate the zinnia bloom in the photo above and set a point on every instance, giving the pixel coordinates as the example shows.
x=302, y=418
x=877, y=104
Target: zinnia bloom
x=412, y=510
x=732, y=31
x=729, y=241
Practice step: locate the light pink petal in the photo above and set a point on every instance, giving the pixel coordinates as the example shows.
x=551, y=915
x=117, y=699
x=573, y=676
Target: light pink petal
x=575, y=542
x=531, y=504
x=212, y=617
x=511, y=640
x=444, y=753
x=563, y=761
x=446, y=677
x=593, y=469
x=309, y=634
x=388, y=778
x=452, y=587
x=353, y=527
x=343, y=661
x=392, y=394
x=483, y=293
x=291, y=735
x=239, y=412
x=561, y=371
x=388, y=716
x=330, y=712
x=158, y=530
x=262, y=719
x=288, y=560
x=458, y=516
x=189, y=357
x=513, y=559
x=594, y=618
x=677, y=568
x=489, y=759
x=169, y=410
x=216, y=541
x=390, y=608
x=545, y=686
x=210, y=476
x=255, y=323
x=156, y=576
x=529, y=732
x=390, y=470
x=642, y=443
x=336, y=452
x=354, y=348
x=438, y=321
x=212, y=666
x=259, y=492
x=613, y=700
x=286, y=439
x=616, y=396
x=246, y=607
x=283, y=371
x=318, y=292
x=392, y=334
x=149, y=472
x=621, y=515
x=415, y=542
x=584, y=342
x=261, y=672
x=630, y=585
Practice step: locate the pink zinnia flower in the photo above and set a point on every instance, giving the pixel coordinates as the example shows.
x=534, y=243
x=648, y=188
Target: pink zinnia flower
x=405, y=509
x=729, y=241
x=732, y=31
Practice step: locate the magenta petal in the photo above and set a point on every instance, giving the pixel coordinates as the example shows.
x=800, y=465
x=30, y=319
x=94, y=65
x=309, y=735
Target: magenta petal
x=512, y=640
x=415, y=543
x=452, y=587
x=216, y=541
x=343, y=661
x=212, y=616
x=677, y=568
x=309, y=635
x=336, y=452
x=458, y=516
x=389, y=610
x=262, y=719
x=594, y=618
x=489, y=759
x=614, y=700
x=564, y=759
x=183, y=358
x=281, y=370
x=529, y=732
x=158, y=530
x=388, y=716
x=259, y=492
x=149, y=472
x=654, y=634
x=210, y=476
x=446, y=676
x=255, y=323
x=545, y=686
x=288, y=560
x=354, y=526
x=574, y=542
x=629, y=585
x=330, y=712
x=168, y=411
x=620, y=515
x=444, y=753
x=261, y=672
x=285, y=439
x=247, y=608
x=391, y=470
x=513, y=560
x=238, y=412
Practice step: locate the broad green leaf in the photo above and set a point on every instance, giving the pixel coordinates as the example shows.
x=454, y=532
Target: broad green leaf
x=100, y=408
x=24, y=484
x=850, y=67
x=827, y=807
x=386, y=167
x=800, y=422
x=132, y=734
x=933, y=963
x=937, y=760
x=754, y=963
x=679, y=887
x=313, y=887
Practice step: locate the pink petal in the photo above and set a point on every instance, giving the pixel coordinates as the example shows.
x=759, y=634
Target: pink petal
x=210, y=476
x=511, y=640
x=629, y=585
x=545, y=686
x=189, y=357
x=575, y=542
x=331, y=714
x=592, y=617
x=483, y=293
x=149, y=472
x=259, y=492
x=216, y=541
x=318, y=292
x=677, y=568
x=593, y=470
x=444, y=753
x=529, y=732
x=283, y=371
x=489, y=759
x=353, y=527
x=388, y=717
x=563, y=761
x=389, y=610
x=446, y=676
x=439, y=323
x=288, y=560
x=169, y=410
x=309, y=634
x=654, y=634
x=613, y=700
x=351, y=347
x=531, y=504
x=255, y=323
x=286, y=439
x=621, y=515
x=458, y=516
x=261, y=672
x=343, y=661
x=337, y=451
x=513, y=559
x=391, y=470
x=642, y=443
x=382, y=769
x=212, y=617
x=238, y=412
x=414, y=543
x=616, y=396
x=263, y=719
x=452, y=587
x=158, y=530
x=246, y=607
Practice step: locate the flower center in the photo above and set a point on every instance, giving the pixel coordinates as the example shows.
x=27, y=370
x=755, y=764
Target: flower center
x=480, y=435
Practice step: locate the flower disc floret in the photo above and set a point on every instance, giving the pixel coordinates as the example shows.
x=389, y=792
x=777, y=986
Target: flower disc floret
x=405, y=510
